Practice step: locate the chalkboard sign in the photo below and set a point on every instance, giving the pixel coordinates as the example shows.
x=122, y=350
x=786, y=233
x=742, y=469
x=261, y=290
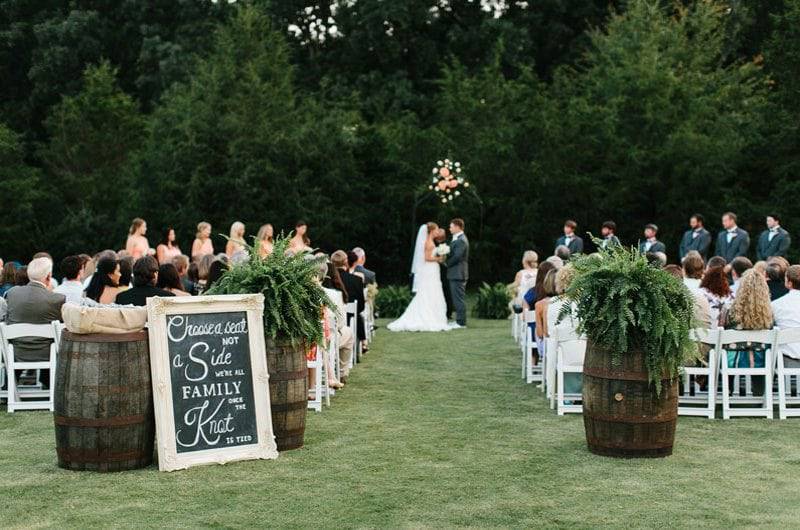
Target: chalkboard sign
x=210, y=380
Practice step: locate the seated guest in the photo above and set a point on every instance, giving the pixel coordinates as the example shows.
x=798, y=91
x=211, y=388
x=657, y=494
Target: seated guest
x=354, y=287
x=786, y=312
x=540, y=308
x=92, y=265
x=562, y=253
x=732, y=241
x=530, y=297
x=716, y=261
x=215, y=272
x=21, y=277
x=369, y=276
x=104, y=286
x=750, y=310
x=697, y=238
x=344, y=333
x=193, y=275
x=145, y=277
x=715, y=288
x=168, y=249
x=7, y=277
x=651, y=244
x=314, y=352
x=53, y=281
x=526, y=277
x=203, y=268
x=202, y=245
x=656, y=259
x=570, y=240
x=181, y=263
x=693, y=270
x=776, y=277
x=34, y=304
x=702, y=311
x=71, y=286
x=169, y=280
x=774, y=241
x=333, y=281
x=739, y=266
x=609, y=233
x=125, y=272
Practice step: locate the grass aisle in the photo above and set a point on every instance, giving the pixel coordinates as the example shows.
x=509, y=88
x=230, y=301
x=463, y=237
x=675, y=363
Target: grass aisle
x=435, y=430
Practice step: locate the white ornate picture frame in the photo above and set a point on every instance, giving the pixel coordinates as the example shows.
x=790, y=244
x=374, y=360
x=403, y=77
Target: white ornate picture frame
x=159, y=309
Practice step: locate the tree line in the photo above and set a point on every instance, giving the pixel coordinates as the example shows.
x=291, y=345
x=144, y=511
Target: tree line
x=334, y=112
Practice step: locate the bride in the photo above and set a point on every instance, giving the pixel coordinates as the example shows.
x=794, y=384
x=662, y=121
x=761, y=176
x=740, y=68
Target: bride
x=428, y=309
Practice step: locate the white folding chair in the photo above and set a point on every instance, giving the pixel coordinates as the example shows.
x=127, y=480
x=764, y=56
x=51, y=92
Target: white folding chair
x=570, y=350
x=533, y=372
x=727, y=341
x=693, y=400
x=317, y=365
x=16, y=394
x=788, y=378
x=3, y=393
x=351, y=311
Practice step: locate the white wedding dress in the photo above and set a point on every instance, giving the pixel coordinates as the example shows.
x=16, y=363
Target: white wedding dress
x=428, y=309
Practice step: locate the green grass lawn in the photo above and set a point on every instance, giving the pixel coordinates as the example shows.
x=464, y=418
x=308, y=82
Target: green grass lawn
x=434, y=430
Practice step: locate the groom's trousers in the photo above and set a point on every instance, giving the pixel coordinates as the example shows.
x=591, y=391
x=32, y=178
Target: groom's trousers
x=458, y=292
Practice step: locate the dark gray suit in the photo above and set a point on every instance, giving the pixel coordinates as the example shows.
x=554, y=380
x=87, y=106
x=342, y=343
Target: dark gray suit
x=657, y=246
x=369, y=276
x=575, y=245
x=738, y=246
x=457, y=275
x=777, y=247
x=33, y=304
x=701, y=243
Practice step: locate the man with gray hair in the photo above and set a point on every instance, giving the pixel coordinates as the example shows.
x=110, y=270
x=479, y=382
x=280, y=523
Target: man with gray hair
x=34, y=304
x=369, y=276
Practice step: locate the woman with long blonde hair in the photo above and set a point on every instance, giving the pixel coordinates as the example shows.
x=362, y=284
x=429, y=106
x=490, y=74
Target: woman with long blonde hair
x=202, y=245
x=750, y=310
x=236, y=241
x=266, y=241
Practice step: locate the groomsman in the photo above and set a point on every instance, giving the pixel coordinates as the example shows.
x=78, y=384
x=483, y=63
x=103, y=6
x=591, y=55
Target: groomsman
x=609, y=232
x=774, y=241
x=569, y=239
x=651, y=243
x=732, y=242
x=696, y=238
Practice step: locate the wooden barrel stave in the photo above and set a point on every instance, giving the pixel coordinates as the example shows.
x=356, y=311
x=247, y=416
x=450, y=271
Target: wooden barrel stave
x=104, y=403
x=288, y=388
x=623, y=416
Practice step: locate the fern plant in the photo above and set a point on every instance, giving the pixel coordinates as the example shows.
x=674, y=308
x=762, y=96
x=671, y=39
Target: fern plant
x=292, y=296
x=493, y=301
x=390, y=302
x=623, y=304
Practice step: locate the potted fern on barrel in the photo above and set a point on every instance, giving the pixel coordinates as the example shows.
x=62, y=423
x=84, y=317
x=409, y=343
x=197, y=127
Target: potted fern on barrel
x=636, y=318
x=292, y=323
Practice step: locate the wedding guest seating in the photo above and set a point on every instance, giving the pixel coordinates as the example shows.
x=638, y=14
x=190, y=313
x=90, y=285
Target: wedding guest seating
x=351, y=309
x=788, y=378
x=728, y=340
x=570, y=349
x=17, y=394
x=693, y=400
x=317, y=365
x=533, y=371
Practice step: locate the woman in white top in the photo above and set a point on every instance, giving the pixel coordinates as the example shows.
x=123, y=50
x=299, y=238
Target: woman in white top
x=236, y=241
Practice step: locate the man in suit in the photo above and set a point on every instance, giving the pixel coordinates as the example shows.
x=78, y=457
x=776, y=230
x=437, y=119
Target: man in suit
x=732, y=241
x=457, y=264
x=34, y=304
x=145, y=276
x=609, y=232
x=774, y=241
x=569, y=239
x=696, y=238
x=651, y=244
x=354, y=286
x=369, y=276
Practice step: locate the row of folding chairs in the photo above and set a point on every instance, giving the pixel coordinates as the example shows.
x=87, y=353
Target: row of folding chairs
x=32, y=396
x=328, y=357
x=702, y=389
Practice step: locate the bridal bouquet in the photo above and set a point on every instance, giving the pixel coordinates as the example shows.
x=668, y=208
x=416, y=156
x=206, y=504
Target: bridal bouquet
x=447, y=180
x=442, y=250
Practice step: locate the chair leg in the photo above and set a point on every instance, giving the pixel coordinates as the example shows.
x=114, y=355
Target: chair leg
x=12, y=385
x=725, y=397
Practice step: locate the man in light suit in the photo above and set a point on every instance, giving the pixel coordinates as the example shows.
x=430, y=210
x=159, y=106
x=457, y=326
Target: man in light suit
x=732, y=242
x=34, y=304
x=774, y=241
x=696, y=238
x=651, y=244
x=369, y=276
x=457, y=264
x=573, y=242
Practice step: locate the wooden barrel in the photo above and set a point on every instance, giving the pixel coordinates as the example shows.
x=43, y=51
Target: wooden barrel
x=104, y=402
x=288, y=392
x=622, y=414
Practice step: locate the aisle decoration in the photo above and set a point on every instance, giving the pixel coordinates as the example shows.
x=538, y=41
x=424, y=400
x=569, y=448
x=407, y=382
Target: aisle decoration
x=637, y=319
x=448, y=180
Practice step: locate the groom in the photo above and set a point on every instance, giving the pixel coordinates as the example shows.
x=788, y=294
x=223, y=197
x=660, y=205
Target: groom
x=458, y=271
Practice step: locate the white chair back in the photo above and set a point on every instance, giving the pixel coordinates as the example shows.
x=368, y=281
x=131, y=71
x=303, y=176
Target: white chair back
x=788, y=378
x=693, y=399
x=570, y=350
x=728, y=340
x=17, y=394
